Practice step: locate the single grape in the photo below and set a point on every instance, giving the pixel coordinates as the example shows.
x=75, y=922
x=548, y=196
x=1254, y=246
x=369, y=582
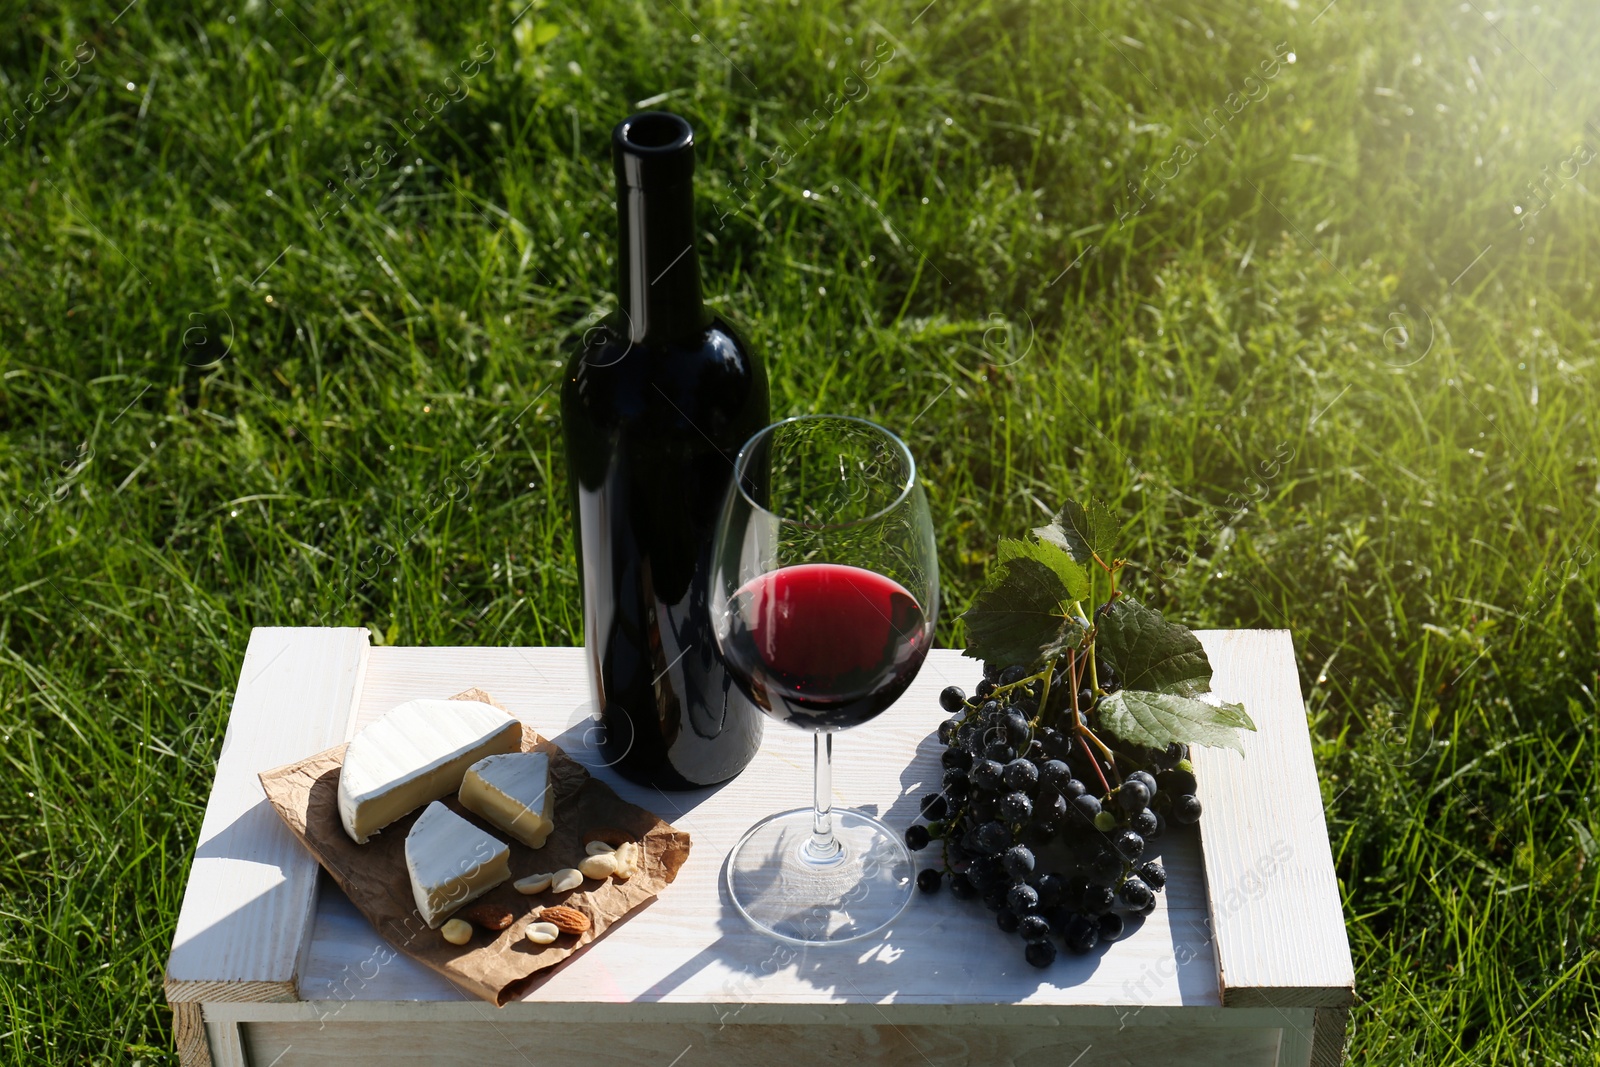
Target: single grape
x=1007, y=920
x=961, y=887
x=1186, y=810
x=1028, y=706
x=982, y=876
x=1081, y=934
x=1017, y=729
x=1034, y=928
x=1176, y=783
x=928, y=881
x=956, y=786
x=955, y=758
x=993, y=837
x=1184, y=766
x=1085, y=699
x=1127, y=844
x=1110, y=925
x=948, y=729
x=1053, y=808
x=984, y=688
x=986, y=775
x=1161, y=828
x=1022, y=898
x=1144, y=823
x=1018, y=861
x=953, y=698
x=991, y=671
x=1105, y=822
x=1146, y=778
x=1055, y=774
x=1012, y=675
x=1016, y=807
x=1021, y=774
x=1051, y=888
x=1154, y=875
x=1087, y=806
x=1000, y=751
x=1074, y=788
x=1135, y=893
x=989, y=709
x=917, y=837
x=1132, y=796
x=1098, y=899
x=1040, y=953
x=935, y=806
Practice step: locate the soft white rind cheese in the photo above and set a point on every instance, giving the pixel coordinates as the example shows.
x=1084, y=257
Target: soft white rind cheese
x=451, y=862
x=418, y=752
x=512, y=791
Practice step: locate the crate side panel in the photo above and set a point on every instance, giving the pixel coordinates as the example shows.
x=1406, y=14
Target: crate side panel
x=710, y=1045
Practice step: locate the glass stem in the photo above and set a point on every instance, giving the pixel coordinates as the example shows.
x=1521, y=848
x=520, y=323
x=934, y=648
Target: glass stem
x=823, y=846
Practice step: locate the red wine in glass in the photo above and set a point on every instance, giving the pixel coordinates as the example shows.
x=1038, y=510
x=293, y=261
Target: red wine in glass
x=824, y=588
x=825, y=646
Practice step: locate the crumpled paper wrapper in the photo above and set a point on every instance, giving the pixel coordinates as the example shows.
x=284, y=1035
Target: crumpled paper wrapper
x=504, y=966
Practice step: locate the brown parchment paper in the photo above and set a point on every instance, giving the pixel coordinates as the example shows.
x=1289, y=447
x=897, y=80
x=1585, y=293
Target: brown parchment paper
x=504, y=966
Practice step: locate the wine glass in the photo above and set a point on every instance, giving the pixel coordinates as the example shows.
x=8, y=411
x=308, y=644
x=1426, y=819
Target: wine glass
x=824, y=589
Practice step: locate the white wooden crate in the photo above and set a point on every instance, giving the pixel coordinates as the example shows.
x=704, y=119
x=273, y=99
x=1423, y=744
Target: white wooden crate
x=1243, y=963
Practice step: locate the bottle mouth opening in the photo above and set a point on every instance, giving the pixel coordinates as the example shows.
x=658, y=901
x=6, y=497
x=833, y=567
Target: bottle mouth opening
x=656, y=131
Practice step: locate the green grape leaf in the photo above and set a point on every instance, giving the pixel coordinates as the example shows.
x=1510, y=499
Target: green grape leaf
x=1085, y=532
x=1019, y=617
x=1073, y=577
x=1155, y=720
x=1148, y=652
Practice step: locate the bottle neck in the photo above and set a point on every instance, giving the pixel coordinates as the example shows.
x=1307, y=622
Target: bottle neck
x=658, y=270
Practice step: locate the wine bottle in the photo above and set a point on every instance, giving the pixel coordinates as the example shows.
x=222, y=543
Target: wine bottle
x=655, y=406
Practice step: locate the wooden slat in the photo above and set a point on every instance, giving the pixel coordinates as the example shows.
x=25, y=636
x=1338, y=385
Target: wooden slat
x=189, y=1035
x=1276, y=919
x=1329, y=1037
x=227, y=1045
x=248, y=907
x=493, y=1040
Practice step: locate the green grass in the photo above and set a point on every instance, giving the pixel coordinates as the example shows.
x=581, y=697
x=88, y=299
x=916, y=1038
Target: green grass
x=1215, y=364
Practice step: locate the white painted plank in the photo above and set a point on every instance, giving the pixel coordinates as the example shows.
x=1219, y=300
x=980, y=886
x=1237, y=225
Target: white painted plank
x=883, y=1044
x=690, y=948
x=248, y=906
x=1276, y=916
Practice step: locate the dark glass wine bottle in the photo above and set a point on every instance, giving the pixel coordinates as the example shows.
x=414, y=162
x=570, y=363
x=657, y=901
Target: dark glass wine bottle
x=655, y=406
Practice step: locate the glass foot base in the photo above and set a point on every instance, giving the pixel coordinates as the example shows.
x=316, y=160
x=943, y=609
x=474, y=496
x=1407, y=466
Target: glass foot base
x=785, y=891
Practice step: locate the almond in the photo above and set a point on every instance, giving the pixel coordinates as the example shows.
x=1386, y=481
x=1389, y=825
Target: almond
x=567, y=920
x=489, y=916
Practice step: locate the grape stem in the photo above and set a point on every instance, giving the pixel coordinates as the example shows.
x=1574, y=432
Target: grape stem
x=1085, y=732
x=1094, y=761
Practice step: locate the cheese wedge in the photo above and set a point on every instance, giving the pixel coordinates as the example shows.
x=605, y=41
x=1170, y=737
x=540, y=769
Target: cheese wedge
x=512, y=791
x=418, y=752
x=451, y=862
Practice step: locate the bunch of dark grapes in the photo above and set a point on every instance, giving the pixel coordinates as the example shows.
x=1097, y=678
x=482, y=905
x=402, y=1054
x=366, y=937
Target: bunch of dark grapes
x=1029, y=822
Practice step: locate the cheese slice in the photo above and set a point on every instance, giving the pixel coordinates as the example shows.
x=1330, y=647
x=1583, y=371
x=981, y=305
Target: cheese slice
x=512, y=791
x=418, y=752
x=451, y=862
